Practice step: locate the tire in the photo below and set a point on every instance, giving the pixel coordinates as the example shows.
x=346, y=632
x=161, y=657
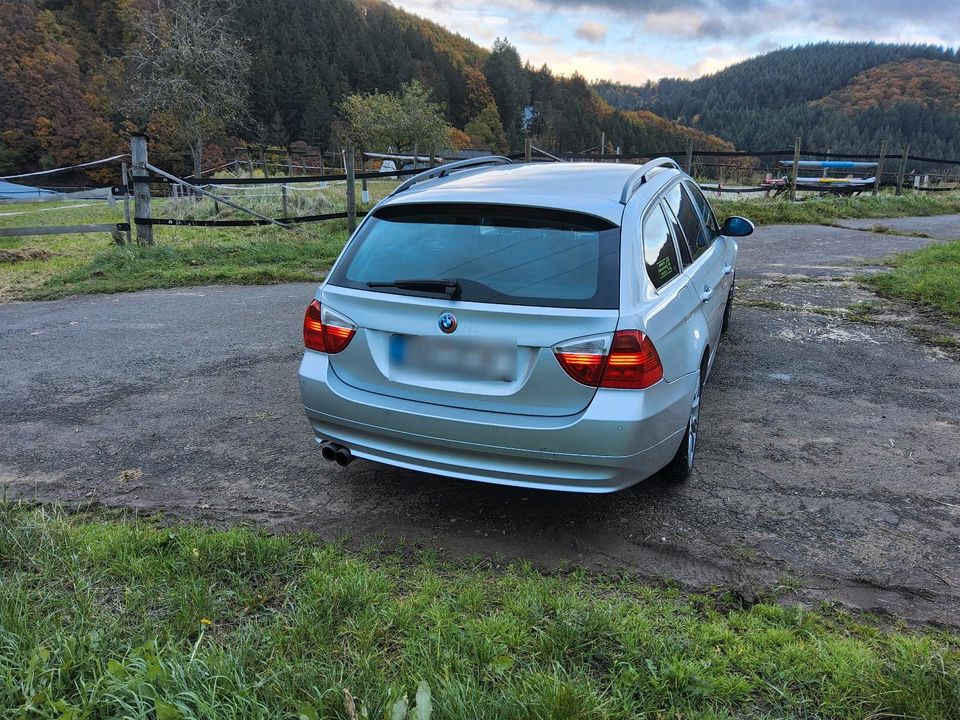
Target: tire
x=681, y=467
x=729, y=306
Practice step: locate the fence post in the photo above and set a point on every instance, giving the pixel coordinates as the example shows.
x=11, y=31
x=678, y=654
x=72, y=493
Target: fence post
x=826, y=171
x=527, y=149
x=124, y=180
x=796, y=169
x=433, y=156
x=351, y=191
x=263, y=161
x=416, y=155
x=883, y=155
x=688, y=167
x=603, y=143
x=364, y=192
x=249, y=160
x=283, y=197
x=141, y=190
x=902, y=171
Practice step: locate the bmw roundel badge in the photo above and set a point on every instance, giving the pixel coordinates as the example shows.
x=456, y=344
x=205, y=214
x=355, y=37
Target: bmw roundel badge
x=447, y=322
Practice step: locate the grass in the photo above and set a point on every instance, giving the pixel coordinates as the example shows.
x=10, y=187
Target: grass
x=110, y=617
x=825, y=210
x=53, y=266
x=930, y=276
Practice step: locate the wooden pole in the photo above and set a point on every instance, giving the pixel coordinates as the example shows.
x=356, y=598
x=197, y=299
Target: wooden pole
x=263, y=161
x=351, y=191
x=141, y=190
x=364, y=192
x=688, y=165
x=883, y=155
x=283, y=197
x=796, y=169
x=250, y=160
x=826, y=170
x=433, y=157
x=603, y=143
x=902, y=171
x=527, y=149
x=416, y=155
x=126, y=198
x=618, y=154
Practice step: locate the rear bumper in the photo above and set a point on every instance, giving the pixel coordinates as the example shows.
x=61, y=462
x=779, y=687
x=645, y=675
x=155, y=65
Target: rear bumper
x=621, y=438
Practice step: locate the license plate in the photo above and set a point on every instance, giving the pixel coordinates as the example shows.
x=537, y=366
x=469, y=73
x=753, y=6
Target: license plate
x=453, y=359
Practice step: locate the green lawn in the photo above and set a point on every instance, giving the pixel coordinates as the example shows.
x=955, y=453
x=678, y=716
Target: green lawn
x=930, y=276
x=824, y=210
x=104, y=618
x=52, y=266
x=47, y=267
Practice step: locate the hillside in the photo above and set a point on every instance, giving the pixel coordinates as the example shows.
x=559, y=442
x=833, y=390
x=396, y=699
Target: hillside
x=766, y=101
x=58, y=98
x=932, y=84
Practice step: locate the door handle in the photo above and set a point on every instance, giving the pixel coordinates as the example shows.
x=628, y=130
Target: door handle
x=727, y=269
x=707, y=293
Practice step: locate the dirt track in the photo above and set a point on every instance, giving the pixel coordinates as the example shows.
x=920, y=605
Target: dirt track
x=829, y=464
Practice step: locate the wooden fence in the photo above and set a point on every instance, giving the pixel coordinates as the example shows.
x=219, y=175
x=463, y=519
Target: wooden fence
x=136, y=182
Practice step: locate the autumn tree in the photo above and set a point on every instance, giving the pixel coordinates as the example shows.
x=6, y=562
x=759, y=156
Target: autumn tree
x=378, y=121
x=190, y=65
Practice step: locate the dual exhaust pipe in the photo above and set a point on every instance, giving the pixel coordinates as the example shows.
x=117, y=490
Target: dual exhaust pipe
x=336, y=453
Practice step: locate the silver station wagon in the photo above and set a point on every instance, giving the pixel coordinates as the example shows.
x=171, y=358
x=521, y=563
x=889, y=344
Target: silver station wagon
x=544, y=325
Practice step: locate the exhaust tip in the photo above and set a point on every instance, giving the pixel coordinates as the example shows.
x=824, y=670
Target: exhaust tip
x=343, y=457
x=329, y=451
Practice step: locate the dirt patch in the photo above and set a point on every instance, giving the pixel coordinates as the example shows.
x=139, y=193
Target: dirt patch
x=829, y=463
x=17, y=255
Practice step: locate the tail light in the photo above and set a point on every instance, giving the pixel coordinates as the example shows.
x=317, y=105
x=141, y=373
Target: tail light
x=628, y=360
x=325, y=330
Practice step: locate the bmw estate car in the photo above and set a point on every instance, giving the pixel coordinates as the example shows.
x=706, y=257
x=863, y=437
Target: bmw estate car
x=545, y=325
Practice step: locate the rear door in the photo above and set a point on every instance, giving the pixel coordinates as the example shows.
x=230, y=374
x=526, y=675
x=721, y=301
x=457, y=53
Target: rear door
x=703, y=260
x=528, y=279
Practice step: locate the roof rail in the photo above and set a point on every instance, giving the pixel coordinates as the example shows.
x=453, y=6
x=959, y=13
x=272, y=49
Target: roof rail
x=634, y=182
x=444, y=170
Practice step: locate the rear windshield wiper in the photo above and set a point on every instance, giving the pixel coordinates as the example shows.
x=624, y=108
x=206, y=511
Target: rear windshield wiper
x=448, y=286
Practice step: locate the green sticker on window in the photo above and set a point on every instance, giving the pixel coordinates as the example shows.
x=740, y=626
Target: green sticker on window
x=665, y=267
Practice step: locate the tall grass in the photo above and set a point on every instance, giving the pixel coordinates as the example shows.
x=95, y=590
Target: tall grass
x=102, y=619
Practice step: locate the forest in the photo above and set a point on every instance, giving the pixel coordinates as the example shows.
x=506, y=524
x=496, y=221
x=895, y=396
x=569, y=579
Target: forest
x=63, y=98
x=844, y=96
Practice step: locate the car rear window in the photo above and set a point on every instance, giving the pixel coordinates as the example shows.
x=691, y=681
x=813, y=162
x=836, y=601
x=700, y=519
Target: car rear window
x=499, y=254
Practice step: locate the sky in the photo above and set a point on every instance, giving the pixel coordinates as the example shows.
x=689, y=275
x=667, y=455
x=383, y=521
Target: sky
x=633, y=41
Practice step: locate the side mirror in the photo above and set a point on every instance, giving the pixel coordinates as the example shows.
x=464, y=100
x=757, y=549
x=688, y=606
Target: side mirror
x=736, y=226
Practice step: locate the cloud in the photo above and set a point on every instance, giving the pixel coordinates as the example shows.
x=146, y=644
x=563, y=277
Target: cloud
x=591, y=31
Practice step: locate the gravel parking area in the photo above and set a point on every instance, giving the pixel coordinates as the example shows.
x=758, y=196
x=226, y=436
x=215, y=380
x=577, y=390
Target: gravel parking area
x=829, y=466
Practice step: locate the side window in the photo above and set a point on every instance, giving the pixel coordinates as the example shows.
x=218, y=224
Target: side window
x=706, y=213
x=677, y=232
x=688, y=216
x=659, y=251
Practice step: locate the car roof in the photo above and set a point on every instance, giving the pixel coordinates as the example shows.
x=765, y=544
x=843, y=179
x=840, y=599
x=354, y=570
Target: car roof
x=590, y=188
